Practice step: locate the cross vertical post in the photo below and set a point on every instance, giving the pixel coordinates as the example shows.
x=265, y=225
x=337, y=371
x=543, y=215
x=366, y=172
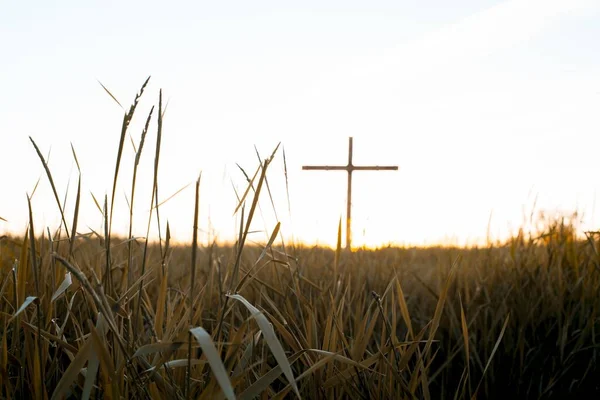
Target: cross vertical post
x=349, y=197
x=349, y=168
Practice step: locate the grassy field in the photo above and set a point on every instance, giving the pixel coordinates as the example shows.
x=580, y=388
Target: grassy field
x=95, y=315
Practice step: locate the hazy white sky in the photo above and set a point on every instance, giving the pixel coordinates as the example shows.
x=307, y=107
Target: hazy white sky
x=484, y=105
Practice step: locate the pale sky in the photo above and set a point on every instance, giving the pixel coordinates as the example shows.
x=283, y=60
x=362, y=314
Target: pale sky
x=488, y=108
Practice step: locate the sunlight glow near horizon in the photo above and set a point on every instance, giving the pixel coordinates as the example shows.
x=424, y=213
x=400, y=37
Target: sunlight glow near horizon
x=487, y=108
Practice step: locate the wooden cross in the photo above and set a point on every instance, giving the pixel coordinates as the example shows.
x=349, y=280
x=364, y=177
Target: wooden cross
x=349, y=168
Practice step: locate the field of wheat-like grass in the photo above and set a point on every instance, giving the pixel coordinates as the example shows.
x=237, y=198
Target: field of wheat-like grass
x=93, y=315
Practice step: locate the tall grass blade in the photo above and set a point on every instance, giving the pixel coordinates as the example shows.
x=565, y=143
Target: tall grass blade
x=107, y=276
x=250, y=186
x=338, y=251
x=437, y=316
x=287, y=185
x=72, y=372
x=75, y=158
x=193, y=281
x=209, y=349
x=107, y=366
x=127, y=117
x=404, y=308
x=171, y=196
x=51, y=180
x=272, y=341
x=75, y=217
x=33, y=255
x=97, y=203
x=93, y=362
x=465, y=333
x=487, y=365
x=159, y=128
x=128, y=275
x=265, y=381
x=111, y=95
x=126, y=121
x=153, y=197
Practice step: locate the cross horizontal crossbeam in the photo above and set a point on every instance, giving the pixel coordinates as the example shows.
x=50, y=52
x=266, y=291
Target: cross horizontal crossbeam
x=348, y=168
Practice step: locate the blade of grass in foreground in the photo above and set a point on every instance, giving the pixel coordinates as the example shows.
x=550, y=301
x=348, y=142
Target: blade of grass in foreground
x=265, y=381
x=94, y=361
x=274, y=344
x=465, y=334
x=492, y=355
x=437, y=316
x=209, y=349
x=72, y=372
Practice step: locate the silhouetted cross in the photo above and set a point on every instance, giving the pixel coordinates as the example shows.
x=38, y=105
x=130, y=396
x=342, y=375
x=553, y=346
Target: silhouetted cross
x=349, y=168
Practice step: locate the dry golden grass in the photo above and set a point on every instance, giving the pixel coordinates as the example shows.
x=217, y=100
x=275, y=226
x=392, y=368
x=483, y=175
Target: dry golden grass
x=96, y=316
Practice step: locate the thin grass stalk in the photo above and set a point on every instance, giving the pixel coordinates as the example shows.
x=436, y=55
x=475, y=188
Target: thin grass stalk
x=387, y=325
x=54, y=364
x=272, y=204
x=143, y=272
x=161, y=112
x=16, y=296
x=289, y=203
x=242, y=237
x=223, y=307
x=268, y=190
x=295, y=275
x=496, y=345
x=107, y=277
x=36, y=275
x=156, y=203
x=51, y=180
x=64, y=207
x=152, y=202
x=127, y=276
x=75, y=218
x=127, y=117
x=164, y=260
x=192, y=284
x=125, y=124
x=338, y=252
x=76, y=211
x=248, y=222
